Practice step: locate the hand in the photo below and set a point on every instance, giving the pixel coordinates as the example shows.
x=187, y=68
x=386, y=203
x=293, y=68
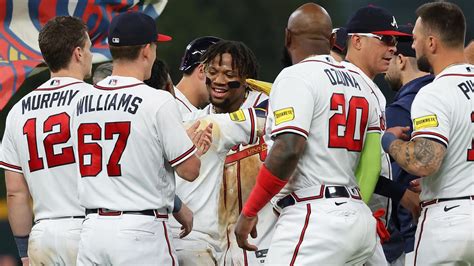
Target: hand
x=415, y=185
x=411, y=202
x=25, y=261
x=203, y=143
x=202, y=139
x=185, y=218
x=245, y=226
x=399, y=132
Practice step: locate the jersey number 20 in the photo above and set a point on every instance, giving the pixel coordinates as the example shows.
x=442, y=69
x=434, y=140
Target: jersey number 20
x=348, y=131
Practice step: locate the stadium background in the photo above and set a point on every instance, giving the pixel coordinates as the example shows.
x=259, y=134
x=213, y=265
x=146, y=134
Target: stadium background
x=258, y=23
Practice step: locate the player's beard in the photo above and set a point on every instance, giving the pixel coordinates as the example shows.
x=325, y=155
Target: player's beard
x=423, y=64
x=221, y=105
x=286, y=58
x=394, y=83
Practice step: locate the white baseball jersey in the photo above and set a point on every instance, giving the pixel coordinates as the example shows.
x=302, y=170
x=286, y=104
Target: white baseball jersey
x=444, y=111
x=322, y=101
x=37, y=143
x=128, y=137
x=378, y=99
x=298, y=105
x=202, y=195
x=184, y=105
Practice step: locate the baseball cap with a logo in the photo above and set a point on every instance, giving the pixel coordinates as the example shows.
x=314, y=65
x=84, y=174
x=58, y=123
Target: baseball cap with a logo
x=375, y=20
x=134, y=28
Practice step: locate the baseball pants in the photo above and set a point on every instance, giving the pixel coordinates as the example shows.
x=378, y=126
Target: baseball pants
x=54, y=242
x=445, y=234
x=126, y=239
x=325, y=231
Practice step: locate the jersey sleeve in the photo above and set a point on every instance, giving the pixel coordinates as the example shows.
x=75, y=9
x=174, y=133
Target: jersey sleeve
x=292, y=105
x=429, y=116
x=177, y=146
x=373, y=125
x=239, y=127
x=9, y=157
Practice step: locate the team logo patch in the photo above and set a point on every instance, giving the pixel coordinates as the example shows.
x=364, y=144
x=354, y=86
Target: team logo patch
x=425, y=121
x=112, y=82
x=54, y=82
x=237, y=116
x=284, y=115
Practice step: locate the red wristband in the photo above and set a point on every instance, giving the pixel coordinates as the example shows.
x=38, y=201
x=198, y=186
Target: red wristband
x=267, y=186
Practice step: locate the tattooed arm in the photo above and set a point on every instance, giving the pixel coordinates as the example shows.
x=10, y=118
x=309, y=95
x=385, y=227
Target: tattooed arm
x=285, y=154
x=420, y=157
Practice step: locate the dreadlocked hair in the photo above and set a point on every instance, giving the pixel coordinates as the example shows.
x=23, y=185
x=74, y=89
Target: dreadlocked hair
x=243, y=59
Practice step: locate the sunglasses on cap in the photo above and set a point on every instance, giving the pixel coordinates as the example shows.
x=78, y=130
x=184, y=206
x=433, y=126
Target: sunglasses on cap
x=389, y=40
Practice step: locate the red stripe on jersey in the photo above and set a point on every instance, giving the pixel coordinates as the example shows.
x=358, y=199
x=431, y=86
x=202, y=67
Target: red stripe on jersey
x=256, y=101
x=419, y=237
x=455, y=75
x=10, y=166
x=168, y=243
x=183, y=104
x=290, y=128
x=117, y=88
x=319, y=61
x=430, y=133
x=172, y=162
x=306, y=222
x=59, y=87
x=252, y=126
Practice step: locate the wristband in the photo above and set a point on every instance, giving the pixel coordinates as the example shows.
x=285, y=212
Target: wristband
x=387, y=140
x=177, y=204
x=22, y=245
x=267, y=186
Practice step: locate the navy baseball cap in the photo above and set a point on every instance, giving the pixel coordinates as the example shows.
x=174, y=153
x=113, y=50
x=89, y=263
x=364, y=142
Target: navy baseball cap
x=134, y=28
x=341, y=39
x=405, y=42
x=375, y=20
x=195, y=49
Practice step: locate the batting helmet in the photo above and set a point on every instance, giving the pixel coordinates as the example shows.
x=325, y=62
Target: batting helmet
x=194, y=50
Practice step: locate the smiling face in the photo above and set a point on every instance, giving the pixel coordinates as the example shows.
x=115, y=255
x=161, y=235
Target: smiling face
x=220, y=72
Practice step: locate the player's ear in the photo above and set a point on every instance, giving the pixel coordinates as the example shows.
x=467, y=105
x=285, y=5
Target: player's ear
x=355, y=41
x=332, y=40
x=401, y=61
x=432, y=43
x=287, y=37
x=201, y=74
x=77, y=54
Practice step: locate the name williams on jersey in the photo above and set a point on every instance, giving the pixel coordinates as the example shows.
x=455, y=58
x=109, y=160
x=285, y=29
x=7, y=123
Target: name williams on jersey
x=107, y=102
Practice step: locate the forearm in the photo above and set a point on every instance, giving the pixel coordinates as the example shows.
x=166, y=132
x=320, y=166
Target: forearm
x=20, y=214
x=368, y=169
x=284, y=155
x=420, y=157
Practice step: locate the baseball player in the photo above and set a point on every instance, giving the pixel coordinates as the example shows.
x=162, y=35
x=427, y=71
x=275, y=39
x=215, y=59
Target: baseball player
x=441, y=145
x=37, y=152
x=128, y=139
x=406, y=79
x=191, y=92
x=317, y=140
x=209, y=238
x=372, y=43
x=339, y=50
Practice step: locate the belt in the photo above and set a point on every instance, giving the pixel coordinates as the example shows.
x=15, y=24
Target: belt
x=327, y=192
x=58, y=218
x=107, y=212
x=434, y=201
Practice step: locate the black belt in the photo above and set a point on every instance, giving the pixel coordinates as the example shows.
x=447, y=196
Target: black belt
x=327, y=192
x=107, y=212
x=58, y=218
x=431, y=202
